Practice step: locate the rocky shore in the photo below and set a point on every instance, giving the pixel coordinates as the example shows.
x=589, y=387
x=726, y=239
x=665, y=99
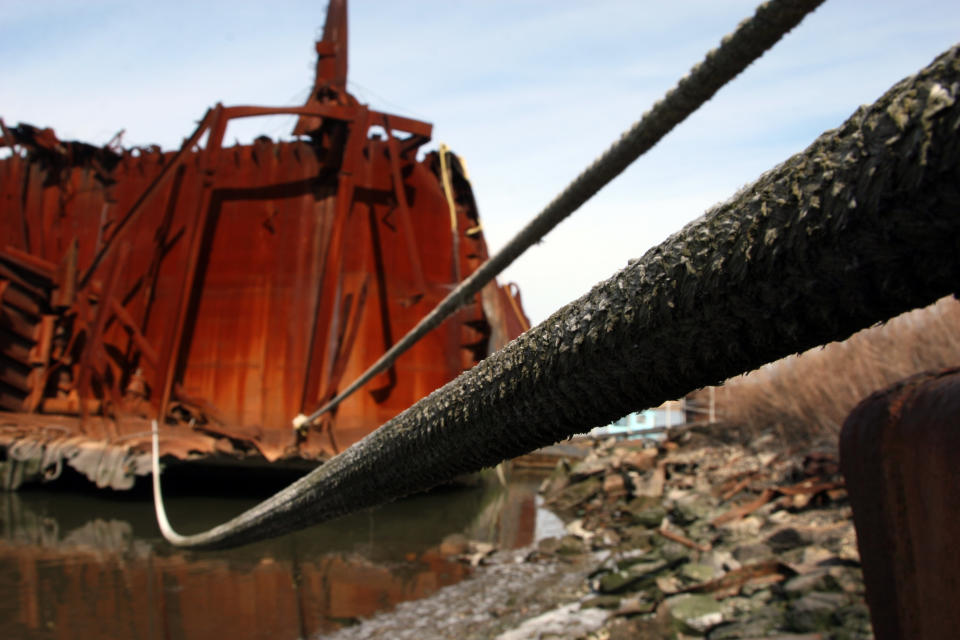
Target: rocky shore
x=696, y=536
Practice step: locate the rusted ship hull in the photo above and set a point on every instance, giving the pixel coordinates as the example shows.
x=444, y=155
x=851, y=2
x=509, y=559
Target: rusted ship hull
x=224, y=290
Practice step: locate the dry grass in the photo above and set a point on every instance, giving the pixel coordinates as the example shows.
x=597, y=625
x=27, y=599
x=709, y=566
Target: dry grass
x=806, y=397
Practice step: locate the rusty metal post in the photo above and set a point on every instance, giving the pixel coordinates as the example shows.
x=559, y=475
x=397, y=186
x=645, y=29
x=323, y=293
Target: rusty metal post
x=134, y=211
x=899, y=454
x=17, y=210
x=93, y=357
x=399, y=190
x=208, y=167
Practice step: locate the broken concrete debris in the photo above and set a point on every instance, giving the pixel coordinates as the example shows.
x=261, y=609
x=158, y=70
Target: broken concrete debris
x=669, y=549
x=710, y=539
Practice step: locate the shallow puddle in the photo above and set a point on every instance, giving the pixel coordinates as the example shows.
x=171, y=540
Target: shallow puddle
x=79, y=566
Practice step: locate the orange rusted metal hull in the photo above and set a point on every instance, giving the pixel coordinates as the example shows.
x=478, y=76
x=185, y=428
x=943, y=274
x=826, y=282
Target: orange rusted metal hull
x=226, y=290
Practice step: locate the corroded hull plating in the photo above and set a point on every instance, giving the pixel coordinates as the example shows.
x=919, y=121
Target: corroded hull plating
x=228, y=289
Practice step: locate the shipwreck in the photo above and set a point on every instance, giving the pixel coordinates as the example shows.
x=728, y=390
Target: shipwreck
x=224, y=290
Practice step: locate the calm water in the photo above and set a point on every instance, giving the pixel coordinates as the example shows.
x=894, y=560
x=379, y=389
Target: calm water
x=80, y=566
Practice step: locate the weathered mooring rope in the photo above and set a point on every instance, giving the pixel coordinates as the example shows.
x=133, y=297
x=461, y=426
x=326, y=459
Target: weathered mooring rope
x=771, y=21
x=862, y=225
x=162, y=521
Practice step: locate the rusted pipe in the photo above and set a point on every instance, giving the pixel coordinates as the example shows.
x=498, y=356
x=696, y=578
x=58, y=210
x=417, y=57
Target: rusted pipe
x=899, y=450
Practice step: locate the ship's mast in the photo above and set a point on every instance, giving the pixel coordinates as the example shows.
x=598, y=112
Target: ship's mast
x=330, y=84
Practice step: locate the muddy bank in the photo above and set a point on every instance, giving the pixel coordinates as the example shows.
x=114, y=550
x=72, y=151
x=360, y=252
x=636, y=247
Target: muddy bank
x=507, y=590
x=697, y=536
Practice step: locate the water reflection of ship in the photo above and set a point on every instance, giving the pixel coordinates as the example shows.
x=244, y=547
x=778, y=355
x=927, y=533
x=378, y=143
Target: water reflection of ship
x=512, y=518
x=99, y=568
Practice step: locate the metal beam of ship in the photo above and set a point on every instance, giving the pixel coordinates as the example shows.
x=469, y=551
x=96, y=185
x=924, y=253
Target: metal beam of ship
x=225, y=290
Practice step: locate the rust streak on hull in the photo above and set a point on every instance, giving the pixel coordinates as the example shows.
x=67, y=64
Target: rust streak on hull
x=225, y=290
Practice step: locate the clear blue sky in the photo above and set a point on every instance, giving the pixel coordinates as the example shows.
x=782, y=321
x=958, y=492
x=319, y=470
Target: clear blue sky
x=527, y=92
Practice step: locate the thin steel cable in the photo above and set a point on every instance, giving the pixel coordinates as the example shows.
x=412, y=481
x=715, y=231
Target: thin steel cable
x=857, y=228
x=771, y=21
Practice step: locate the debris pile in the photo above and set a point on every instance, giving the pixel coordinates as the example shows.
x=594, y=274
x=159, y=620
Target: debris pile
x=699, y=537
x=708, y=534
